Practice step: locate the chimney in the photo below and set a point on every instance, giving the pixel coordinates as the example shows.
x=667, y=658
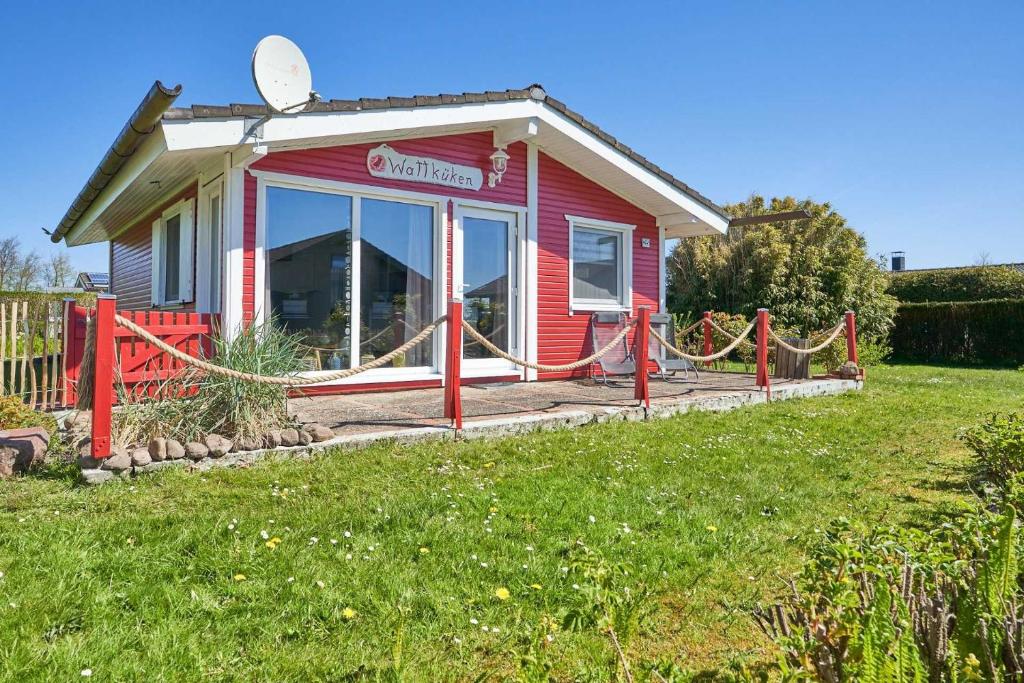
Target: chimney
x=899, y=261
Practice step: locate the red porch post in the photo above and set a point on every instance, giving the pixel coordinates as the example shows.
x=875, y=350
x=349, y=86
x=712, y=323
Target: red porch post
x=103, y=378
x=641, y=337
x=762, y=348
x=709, y=346
x=453, y=364
x=73, y=323
x=851, y=337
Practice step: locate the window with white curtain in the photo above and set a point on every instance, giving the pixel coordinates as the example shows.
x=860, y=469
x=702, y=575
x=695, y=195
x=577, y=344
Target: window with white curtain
x=171, y=281
x=600, y=272
x=352, y=275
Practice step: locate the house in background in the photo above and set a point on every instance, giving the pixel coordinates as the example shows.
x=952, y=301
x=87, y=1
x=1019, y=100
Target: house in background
x=356, y=221
x=93, y=282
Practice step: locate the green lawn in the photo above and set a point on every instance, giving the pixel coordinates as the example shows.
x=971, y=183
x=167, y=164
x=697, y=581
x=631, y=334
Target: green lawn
x=142, y=580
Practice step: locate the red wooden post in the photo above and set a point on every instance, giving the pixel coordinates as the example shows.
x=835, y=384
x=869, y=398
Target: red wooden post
x=103, y=378
x=453, y=364
x=641, y=339
x=851, y=337
x=762, y=349
x=73, y=331
x=709, y=346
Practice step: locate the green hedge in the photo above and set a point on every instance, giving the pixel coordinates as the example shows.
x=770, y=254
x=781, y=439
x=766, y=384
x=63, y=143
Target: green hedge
x=977, y=283
x=969, y=332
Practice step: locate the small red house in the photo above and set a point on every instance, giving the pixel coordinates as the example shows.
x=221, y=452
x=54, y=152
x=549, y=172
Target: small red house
x=353, y=223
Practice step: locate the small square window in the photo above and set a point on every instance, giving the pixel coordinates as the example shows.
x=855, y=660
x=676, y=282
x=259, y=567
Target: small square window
x=599, y=262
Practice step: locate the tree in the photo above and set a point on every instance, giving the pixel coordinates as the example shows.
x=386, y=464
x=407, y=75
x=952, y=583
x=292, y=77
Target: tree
x=806, y=272
x=59, y=270
x=10, y=257
x=27, y=272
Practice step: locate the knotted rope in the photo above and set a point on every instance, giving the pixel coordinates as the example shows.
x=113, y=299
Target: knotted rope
x=704, y=359
x=289, y=381
x=583, y=362
x=823, y=345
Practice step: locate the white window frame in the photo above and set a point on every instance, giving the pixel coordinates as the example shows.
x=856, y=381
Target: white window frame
x=357, y=193
x=186, y=210
x=625, y=233
x=208, y=294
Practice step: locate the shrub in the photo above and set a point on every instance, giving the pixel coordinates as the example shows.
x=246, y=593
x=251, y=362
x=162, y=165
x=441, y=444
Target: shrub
x=989, y=332
x=15, y=415
x=957, y=284
x=894, y=605
x=998, y=445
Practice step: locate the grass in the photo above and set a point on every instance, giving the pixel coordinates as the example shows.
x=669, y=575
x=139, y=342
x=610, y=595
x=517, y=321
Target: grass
x=137, y=581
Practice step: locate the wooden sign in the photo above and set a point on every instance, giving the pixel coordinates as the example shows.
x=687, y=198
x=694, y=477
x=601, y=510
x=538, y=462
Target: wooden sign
x=384, y=162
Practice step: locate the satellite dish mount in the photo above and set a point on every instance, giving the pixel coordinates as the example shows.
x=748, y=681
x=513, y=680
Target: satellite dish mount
x=282, y=78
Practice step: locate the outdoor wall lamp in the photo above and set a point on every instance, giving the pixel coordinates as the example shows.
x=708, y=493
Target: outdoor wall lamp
x=499, y=160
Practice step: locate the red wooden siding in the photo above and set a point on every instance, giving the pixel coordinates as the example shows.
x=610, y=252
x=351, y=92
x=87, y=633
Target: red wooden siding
x=131, y=258
x=249, y=252
x=564, y=338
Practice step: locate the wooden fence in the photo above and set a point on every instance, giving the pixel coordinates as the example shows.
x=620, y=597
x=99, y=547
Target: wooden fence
x=140, y=369
x=31, y=334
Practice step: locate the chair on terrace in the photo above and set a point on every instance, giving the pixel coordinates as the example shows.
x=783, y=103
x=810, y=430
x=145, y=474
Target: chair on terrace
x=663, y=324
x=619, y=360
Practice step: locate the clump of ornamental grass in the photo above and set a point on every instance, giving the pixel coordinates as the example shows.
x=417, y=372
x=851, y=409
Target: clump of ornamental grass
x=195, y=403
x=244, y=408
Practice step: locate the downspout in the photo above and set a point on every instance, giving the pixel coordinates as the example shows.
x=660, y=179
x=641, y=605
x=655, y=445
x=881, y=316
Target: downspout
x=141, y=124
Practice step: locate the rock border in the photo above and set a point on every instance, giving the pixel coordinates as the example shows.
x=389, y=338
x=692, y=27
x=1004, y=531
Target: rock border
x=313, y=438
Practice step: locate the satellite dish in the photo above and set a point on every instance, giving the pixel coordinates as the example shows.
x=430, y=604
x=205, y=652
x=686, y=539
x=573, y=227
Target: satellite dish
x=281, y=75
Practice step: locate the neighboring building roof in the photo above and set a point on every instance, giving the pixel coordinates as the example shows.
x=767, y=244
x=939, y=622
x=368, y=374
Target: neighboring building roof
x=1014, y=266
x=137, y=151
x=93, y=282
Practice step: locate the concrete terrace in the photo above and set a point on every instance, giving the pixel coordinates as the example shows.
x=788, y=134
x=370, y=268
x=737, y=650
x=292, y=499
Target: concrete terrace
x=501, y=409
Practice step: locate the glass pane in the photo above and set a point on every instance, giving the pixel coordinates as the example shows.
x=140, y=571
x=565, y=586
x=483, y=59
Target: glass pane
x=486, y=289
x=215, y=254
x=172, y=257
x=308, y=253
x=596, y=256
x=396, y=279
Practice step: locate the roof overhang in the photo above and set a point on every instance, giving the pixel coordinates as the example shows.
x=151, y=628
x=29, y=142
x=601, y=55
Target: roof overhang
x=181, y=148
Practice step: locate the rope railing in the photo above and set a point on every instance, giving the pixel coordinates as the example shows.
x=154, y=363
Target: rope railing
x=814, y=349
x=736, y=341
x=288, y=381
x=583, y=362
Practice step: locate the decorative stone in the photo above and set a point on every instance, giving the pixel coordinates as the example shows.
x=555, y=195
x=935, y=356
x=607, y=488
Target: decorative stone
x=118, y=461
x=87, y=462
x=158, y=448
x=78, y=420
x=218, y=445
x=175, y=451
x=196, y=451
x=22, y=449
x=273, y=438
x=318, y=432
x=157, y=466
x=289, y=437
x=245, y=443
x=305, y=438
x=92, y=477
x=141, y=456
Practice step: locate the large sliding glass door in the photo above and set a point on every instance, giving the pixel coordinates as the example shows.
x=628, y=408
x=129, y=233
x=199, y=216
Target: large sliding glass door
x=353, y=275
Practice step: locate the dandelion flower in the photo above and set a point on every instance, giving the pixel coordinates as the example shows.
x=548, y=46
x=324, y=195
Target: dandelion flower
x=348, y=613
x=493, y=509
x=488, y=465
x=712, y=528
x=536, y=586
x=502, y=593
x=239, y=577
x=424, y=550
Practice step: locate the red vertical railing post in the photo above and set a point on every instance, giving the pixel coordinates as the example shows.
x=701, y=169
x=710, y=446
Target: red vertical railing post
x=709, y=345
x=641, y=339
x=453, y=364
x=851, y=337
x=103, y=375
x=762, y=347
x=71, y=350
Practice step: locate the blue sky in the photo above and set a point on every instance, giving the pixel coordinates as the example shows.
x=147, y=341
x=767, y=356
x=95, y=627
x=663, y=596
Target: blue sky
x=908, y=117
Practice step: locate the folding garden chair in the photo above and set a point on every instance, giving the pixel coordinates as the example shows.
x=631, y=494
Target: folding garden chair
x=663, y=324
x=619, y=360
